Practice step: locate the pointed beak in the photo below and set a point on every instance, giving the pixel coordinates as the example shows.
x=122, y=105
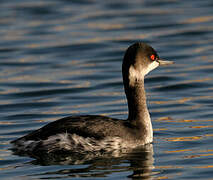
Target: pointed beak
x=163, y=62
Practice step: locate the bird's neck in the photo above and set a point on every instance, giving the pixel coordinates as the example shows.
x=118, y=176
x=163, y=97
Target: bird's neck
x=137, y=106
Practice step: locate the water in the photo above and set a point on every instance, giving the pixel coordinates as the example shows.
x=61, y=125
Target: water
x=60, y=58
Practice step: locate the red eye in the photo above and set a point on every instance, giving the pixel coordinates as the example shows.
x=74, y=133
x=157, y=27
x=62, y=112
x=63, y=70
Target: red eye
x=152, y=57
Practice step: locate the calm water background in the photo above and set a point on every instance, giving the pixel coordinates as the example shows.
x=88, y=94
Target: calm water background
x=60, y=58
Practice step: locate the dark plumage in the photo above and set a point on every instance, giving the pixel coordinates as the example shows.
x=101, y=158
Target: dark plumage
x=98, y=127
x=99, y=133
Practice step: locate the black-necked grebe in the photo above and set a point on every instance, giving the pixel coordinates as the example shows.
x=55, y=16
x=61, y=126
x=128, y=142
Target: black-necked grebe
x=92, y=133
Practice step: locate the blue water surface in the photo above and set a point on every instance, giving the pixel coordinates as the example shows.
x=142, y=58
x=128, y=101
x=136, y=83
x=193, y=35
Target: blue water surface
x=61, y=58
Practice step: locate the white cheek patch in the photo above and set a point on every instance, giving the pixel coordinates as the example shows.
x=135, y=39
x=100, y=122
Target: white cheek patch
x=135, y=75
x=151, y=67
x=139, y=73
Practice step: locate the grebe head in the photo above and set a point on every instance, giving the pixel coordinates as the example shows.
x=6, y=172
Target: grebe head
x=139, y=60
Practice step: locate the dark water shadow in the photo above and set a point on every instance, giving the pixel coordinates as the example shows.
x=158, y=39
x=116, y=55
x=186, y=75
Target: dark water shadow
x=137, y=162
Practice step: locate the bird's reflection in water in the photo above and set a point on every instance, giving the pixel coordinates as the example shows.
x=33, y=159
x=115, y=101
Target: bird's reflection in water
x=137, y=162
x=141, y=162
